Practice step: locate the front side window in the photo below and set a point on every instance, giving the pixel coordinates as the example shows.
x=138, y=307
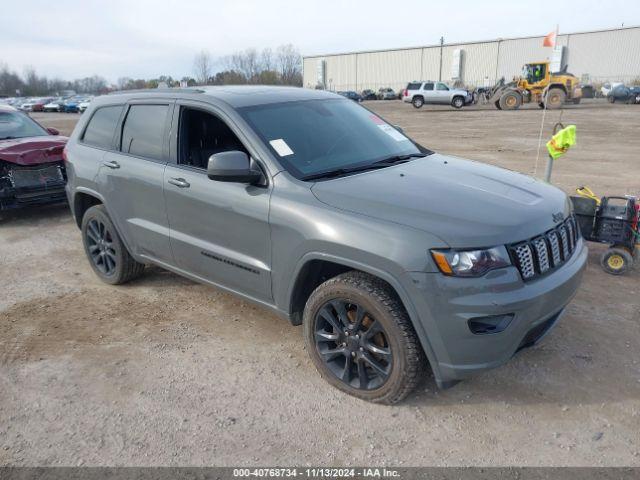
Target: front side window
x=201, y=135
x=315, y=136
x=19, y=125
x=441, y=86
x=102, y=127
x=143, y=131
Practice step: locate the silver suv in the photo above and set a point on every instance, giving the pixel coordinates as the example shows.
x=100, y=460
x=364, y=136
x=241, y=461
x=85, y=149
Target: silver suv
x=308, y=204
x=419, y=93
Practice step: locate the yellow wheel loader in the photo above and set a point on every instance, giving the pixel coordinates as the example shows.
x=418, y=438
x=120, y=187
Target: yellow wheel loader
x=537, y=84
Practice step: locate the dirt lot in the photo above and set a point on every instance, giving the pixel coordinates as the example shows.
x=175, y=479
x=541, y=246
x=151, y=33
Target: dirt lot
x=166, y=371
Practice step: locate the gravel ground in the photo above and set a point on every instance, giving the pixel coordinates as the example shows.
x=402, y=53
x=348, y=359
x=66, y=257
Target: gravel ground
x=164, y=371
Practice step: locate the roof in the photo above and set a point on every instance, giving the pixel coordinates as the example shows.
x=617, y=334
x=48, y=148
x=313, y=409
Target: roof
x=236, y=96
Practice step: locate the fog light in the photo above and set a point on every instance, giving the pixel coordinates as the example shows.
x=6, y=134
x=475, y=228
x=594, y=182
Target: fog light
x=490, y=324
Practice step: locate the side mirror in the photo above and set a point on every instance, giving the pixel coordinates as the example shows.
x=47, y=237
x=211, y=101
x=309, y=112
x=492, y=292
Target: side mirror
x=232, y=166
x=53, y=131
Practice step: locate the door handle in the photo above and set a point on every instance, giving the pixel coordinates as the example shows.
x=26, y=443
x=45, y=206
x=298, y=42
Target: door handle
x=179, y=182
x=111, y=164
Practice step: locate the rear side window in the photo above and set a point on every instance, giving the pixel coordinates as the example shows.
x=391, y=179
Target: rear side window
x=414, y=86
x=102, y=126
x=428, y=86
x=143, y=131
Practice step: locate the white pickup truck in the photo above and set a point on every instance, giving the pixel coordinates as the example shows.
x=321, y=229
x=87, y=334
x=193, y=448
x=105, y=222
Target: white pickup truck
x=419, y=93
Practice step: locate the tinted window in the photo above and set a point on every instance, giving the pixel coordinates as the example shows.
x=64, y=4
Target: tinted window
x=414, y=86
x=143, y=131
x=18, y=125
x=315, y=136
x=102, y=126
x=428, y=86
x=441, y=86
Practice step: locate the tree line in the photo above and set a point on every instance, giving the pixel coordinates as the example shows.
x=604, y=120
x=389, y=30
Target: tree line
x=282, y=66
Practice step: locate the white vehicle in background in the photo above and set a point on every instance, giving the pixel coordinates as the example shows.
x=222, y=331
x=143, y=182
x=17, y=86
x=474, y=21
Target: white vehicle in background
x=608, y=86
x=54, y=105
x=82, y=106
x=28, y=105
x=419, y=93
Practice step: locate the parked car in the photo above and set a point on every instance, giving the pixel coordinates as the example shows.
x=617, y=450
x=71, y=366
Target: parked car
x=71, y=106
x=386, y=252
x=31, y=165
x=386, y=94
x=608, y=86
x=56, y=105
x=82, y=106
x=369, y=95
x=27, y=105
x=351, y=95
x=624, y=94
x=419, y=93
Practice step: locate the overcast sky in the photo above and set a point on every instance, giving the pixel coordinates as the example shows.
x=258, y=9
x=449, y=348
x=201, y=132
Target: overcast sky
x=148, y=38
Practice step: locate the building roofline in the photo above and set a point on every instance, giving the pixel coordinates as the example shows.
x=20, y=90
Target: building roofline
x=472, y=42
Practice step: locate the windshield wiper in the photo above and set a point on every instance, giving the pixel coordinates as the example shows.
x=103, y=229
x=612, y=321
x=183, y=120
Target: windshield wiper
x=385, y=162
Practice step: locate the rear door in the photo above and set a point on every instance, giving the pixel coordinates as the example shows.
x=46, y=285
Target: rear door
x=131, y=179
x=428, y=92
x=219, y=230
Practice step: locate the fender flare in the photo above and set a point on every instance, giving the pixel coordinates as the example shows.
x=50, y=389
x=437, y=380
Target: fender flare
x=387, y=277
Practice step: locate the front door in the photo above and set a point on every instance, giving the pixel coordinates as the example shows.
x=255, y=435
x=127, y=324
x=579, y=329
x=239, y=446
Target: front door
x=219, y=230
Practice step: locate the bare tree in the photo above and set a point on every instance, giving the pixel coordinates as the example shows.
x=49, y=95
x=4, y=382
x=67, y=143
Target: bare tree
x=202, y=67
x=289, y=65
x=266, y=60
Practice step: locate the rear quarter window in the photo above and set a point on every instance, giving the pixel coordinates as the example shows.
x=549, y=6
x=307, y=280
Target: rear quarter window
x=143, y=131
x=102, y=126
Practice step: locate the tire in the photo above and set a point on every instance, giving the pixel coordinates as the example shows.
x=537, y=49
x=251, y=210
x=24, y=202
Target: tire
x=106, y=253
x=611, y=99
x=555, y=98
x=417, y=101
x=350, y=345
x=510, y=100
x=457, y=102
x=616, y=261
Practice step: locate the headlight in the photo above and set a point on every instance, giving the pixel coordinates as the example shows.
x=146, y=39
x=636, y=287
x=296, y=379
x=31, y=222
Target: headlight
x=470, y=263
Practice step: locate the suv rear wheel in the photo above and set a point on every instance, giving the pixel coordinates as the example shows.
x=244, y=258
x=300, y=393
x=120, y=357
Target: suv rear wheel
x=107, y=254
x=417, y=101
x=361, y=340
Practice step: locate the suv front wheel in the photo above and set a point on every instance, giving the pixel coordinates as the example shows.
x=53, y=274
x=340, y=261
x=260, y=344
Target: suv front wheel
x=457, y=102
x=361, y=340
x=107, y=255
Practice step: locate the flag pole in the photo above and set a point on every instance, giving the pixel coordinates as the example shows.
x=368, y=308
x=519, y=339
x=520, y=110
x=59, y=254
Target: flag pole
x=544, y=113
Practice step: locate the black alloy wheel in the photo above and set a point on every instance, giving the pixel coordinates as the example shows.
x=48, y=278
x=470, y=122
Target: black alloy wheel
x=100, y=247
x=353, y=344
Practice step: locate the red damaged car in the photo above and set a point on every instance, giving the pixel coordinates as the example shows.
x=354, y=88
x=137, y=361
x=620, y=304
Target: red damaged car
x=31, y=166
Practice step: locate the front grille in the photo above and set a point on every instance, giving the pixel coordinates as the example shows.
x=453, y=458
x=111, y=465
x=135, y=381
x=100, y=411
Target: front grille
x=546, y=252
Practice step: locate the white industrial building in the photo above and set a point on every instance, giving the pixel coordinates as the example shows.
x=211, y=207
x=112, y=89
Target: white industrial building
x=595, y=56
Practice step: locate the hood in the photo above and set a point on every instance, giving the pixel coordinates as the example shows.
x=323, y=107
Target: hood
x=33, y=150
x=466, y=204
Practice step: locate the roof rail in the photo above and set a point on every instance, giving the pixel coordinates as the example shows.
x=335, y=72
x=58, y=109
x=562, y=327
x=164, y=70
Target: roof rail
x=159, y=90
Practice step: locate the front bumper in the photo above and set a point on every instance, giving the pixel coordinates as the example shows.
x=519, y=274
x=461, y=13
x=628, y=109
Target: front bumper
x=446, y=304
x=32, y=186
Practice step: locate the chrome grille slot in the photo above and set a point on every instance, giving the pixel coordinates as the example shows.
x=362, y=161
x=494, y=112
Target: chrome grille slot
x=544, y=253
x=525, y=260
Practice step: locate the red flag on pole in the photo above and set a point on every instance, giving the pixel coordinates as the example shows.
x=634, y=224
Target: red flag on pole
x=549, y=40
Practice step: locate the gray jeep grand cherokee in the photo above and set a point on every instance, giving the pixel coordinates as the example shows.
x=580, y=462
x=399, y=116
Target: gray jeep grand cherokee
x=302, y=201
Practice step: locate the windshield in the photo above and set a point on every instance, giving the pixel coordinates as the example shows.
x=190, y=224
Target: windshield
x=18, y=125
x=315, y=136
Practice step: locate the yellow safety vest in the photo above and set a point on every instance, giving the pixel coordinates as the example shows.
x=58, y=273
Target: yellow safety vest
x=561, y=141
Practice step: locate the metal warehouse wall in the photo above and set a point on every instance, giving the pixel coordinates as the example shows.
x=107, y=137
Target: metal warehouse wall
x=602, y=55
